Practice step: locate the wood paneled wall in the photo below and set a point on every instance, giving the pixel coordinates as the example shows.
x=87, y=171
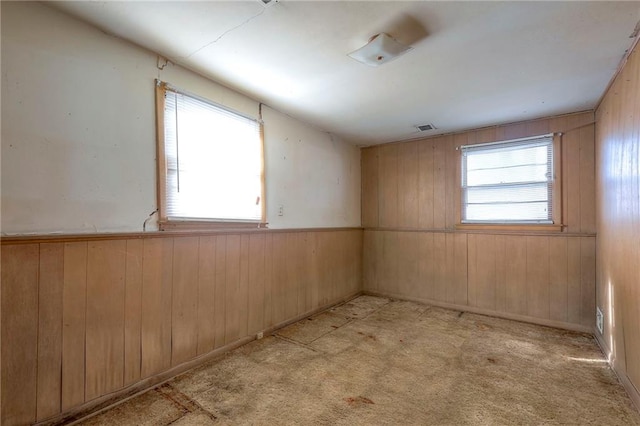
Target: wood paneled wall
x=618, y=211
x=412, y=248
x=87, y=317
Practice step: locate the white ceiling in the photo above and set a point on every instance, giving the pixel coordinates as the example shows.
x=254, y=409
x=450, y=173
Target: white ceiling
x=473, y=64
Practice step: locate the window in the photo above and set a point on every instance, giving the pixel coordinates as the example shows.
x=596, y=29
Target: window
x=209, y=163
x=510, y=182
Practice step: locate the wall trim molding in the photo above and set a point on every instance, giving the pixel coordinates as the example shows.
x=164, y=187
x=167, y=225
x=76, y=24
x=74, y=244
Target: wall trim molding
x=487, y=312
x=482, y=232
x=65, y=238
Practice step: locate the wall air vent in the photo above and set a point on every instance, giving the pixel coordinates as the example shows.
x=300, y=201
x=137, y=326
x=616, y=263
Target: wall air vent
x=425, y=127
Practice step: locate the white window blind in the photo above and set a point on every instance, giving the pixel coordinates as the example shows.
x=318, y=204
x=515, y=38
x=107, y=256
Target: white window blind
x=508, y=182
x=213, y=161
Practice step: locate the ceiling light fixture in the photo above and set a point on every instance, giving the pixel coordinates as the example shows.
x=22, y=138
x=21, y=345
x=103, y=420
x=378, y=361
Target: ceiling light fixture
x=380, y=49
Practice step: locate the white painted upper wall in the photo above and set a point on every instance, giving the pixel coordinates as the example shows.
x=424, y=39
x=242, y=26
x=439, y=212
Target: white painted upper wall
x=79, y=142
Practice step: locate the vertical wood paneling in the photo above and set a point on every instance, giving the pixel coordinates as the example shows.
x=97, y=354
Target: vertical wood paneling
x=460, y=269
x=574, y=285
x=184, y=305
x=441, y=280
x=268, y=280
x=279, y=277
x=369, y=197
x=19, y=333
x=451, y=169
x=618, y=226
x=220, y=297
x=157, y=274
x=587, y=179
x=526, y=274
x=243, y=289
x=439, y=183
x=291, y=277
x=85, y=319
x=388, y=186
x=390, y=265
x=408, y=185
x=558, y=284
x=426, y=268
x=501, y=282
x=538, y=276
x=256, y=282
x=588, y=280
x=425, y=184
x=314, y=269
x=472, y=262
x=74, y=299
x=408, y=263
x=206, y=294
x=485, y=281
x=106, y=262
x=571, y=169
x=50, y=290
x=303, y=272
x=133, y=311
x=232, y=289
x=516, y=275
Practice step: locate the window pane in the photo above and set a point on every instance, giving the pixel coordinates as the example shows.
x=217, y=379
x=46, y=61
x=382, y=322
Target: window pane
x=514, y=194
x=507, y=212
x=508, y=182
x=529, y=173
x=213, y=161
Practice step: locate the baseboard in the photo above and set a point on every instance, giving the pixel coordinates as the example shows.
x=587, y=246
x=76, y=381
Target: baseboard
x=515, y=317
x=106, y=402
x=632, y=391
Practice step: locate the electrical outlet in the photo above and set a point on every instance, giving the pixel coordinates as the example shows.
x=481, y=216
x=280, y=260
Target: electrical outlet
x=280, y=210
x=599, y=320
x=260, y=335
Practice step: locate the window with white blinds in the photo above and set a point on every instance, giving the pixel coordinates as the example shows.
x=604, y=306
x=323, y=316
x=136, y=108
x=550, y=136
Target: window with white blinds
x=508, y=182
x=213, y=161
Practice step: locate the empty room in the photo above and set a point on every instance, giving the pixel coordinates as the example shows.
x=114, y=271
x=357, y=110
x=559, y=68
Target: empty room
x=320, y=212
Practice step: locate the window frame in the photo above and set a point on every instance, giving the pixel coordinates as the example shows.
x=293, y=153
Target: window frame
x=164, y=222
x=556, y=193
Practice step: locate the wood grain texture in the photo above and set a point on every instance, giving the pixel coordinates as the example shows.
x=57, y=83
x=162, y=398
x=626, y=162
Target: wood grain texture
x=232, y=289
x=220, y=297
x=417, y=182
x=74, y=300
x=388, y=186
x=369, y=196
x=104, y=350
x=133, y=311
x=87, y=319
x=540, y=277
x=206, y=294
x=20, y=266
x=184, y=300
x=617, y=209
x=256, y=283
x=156, y=306
x=51, y=284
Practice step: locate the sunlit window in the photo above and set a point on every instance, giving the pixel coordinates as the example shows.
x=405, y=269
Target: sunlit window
x=508, y=182
x=213, y=161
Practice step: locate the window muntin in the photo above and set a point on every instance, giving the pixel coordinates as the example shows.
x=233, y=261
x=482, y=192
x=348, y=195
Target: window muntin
x=212, y=161
x=508, y=182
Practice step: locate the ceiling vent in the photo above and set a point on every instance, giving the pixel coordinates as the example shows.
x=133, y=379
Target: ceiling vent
x=425, y=127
